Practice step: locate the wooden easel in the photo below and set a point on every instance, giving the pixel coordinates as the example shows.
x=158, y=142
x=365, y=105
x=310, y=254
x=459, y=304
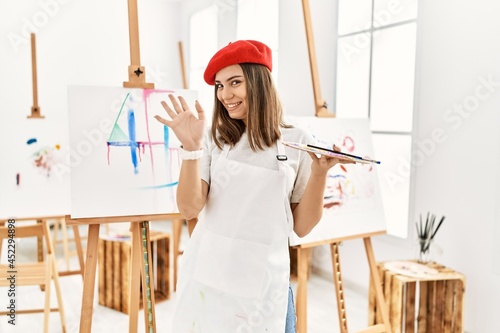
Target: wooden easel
x=35, y=108
x=141, y=245
x=303, y=259
x=183, y=66
x=319, y=103
x=78, y=243
x=136, y=72
x=304, y=250
x=141, y=256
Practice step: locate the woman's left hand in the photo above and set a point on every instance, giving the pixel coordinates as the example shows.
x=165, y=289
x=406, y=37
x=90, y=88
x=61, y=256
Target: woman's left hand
x=323, y=163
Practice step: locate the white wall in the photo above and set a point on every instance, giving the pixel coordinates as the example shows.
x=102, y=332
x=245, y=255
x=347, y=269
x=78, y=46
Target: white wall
x=77, y=43
x=458, y=51
x=81, y=42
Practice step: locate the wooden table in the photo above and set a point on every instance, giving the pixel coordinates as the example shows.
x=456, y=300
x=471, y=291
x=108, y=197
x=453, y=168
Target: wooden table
x=419, y=302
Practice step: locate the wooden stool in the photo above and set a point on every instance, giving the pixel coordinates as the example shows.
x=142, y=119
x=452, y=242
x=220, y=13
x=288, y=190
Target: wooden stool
x=420, y=304
x=114, y=270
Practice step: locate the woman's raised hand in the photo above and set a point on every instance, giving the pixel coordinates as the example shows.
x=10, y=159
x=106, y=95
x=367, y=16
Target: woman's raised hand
x=188, y=128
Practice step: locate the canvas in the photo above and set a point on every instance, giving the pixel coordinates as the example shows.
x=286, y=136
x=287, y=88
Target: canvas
x=35, y=180
x=123, y=161
x=352, y=205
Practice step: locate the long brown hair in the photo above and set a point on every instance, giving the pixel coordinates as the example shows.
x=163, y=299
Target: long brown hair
x=264, y=117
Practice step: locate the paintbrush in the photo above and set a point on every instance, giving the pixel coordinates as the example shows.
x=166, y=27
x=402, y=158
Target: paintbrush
x=427, y=232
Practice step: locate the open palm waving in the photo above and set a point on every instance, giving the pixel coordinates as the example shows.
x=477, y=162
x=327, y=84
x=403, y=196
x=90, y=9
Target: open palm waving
x=188, y=128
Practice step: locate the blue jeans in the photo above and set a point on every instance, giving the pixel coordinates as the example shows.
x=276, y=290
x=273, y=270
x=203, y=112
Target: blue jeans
x=290, y=315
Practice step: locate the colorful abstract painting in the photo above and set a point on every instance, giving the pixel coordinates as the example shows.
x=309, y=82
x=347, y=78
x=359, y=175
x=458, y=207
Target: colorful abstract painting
x=44, y=158
x=34, y=181
x=124, y=161
x=352, y=202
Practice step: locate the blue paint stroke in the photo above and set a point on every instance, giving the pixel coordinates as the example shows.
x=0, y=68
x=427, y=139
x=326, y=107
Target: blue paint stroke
x=30, y=141
x=166, y=140
x=122, y=143
x=156, y=187
x=336, y=176
x=133, y=144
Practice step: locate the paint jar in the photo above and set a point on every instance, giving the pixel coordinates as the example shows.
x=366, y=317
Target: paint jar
x=427, y=250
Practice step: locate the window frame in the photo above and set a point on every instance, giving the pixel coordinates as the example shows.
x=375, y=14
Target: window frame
x=411, y=134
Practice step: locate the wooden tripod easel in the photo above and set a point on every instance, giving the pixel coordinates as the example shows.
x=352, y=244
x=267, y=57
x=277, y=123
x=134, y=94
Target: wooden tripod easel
x=320, y=105
x=78, y=243
x=140, y=257
x=141, y=246
x=304, y=256
x=304, y=250
x=183, y=66
x=136, y=72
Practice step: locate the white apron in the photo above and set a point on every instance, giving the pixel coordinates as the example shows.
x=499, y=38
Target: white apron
x=234, y=274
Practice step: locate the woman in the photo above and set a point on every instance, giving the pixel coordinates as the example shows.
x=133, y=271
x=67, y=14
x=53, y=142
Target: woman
x=252, y=191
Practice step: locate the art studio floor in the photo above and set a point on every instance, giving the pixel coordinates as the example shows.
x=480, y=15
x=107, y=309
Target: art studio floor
x=322, y=309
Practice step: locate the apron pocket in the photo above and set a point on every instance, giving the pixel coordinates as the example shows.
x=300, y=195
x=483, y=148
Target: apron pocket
x=234, y=266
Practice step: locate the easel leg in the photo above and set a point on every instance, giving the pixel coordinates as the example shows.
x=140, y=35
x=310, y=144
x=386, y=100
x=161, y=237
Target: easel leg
x=89, y=279
x=377, y=284
x=39, y=242
x=177, y=229
x=339, y=288
x=148, y=294
x=40, y=245
x=141, y=249
x=62, y=223
x=135, y=277
x=303, y=255
x=79, y=248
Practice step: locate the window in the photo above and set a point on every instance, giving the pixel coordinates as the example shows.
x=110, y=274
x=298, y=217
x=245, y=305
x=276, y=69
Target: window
x=258, y=20
x=204, y=36
x=376, y=49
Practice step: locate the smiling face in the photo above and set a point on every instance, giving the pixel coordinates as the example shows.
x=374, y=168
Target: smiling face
x=231, y=91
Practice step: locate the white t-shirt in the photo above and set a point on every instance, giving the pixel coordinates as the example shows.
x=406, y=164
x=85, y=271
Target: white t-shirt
x=299, y=161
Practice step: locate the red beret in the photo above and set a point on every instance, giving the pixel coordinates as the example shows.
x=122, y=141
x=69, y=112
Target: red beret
x=241, y=51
